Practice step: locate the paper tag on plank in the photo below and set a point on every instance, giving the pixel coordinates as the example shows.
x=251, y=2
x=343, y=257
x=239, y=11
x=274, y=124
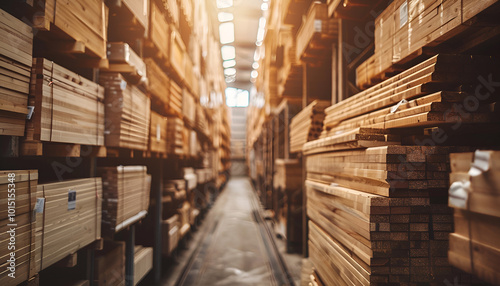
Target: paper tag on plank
x=71, y=200
x=158, y=132
x=481, y=163
x=39, y=205
x=403, y=14
x=396, y=107
x=317, y=26
x=459, y=193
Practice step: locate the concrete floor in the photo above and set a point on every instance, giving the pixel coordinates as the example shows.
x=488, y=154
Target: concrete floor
x=234, y=246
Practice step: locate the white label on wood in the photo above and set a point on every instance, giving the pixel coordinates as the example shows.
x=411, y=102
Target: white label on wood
x=459, y=192
x=31, y=109
x=317, y=25
x=71, y=199
x=396, y=107
x=481, y=163
x=158, y=132
x=40, y=204
x=123, y=85
x=403, y=14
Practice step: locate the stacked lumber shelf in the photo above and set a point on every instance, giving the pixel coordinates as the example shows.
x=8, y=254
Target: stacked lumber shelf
x=175, y=99
x=406, y=27
x=159, y=87
x=316, y=34
x=174, y=195
x=143, y=262
x=85, y=23
x=69, y=218
x=184, y=213
x=170, y=233
x=177, y=53
x=124, y=60
x=110, y=264
x=188, y=107
x=128, y=113
x=175, y=130
x=158, y=133
x=125, y=196
x=429, y=90
x=68, y=107
x=307, y=125
x=129, y=19
x=25, y=185
x=157, y=43
x=16, y=45
x=474, y=245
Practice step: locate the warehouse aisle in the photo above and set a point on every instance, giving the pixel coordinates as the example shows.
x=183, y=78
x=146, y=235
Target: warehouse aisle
x=236, y=248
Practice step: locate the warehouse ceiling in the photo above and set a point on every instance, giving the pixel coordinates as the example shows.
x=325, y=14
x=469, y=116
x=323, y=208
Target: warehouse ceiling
x=244, y=16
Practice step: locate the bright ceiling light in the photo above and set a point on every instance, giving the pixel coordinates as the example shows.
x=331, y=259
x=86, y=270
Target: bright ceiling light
x=226, y=33
x=221, y=4
x=230, y=72
x=262, y=22
x=256, y=55
x=254, y=74
x=255, y=65
x=228, y=53
x=230, y=79
x=225, y=16
x=260, y=34
x=264, y=6
x=228, y=64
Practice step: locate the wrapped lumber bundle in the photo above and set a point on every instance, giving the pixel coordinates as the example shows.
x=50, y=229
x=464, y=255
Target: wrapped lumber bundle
x=159, y=87
x=68, y=107
x=17, y=202
x=69, y=217
x=86, y=22
x=16, y=46
x=110, y=264
x=143, y=262
x=125, y=196
x=127, y=113
x=124, y=60
x=158, y=133
x=175, y=130
x=158, y=39
x=170, y=234
x=316, y=34
x=307, y=125
x=188, y=107
x=424, y=95
x=175, y=100
x=474, y=245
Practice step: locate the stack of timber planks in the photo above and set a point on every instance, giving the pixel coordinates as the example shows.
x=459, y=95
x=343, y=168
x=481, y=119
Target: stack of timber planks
x=68, y=107
x=125, y=196
x=474, y=245
x=143, y=262
x=307, y=125
x=110, y=264
x=23, y=185
x=170, y=234
x=159, y=88
x=175, y=130
x=188, y=107
x=158, y=133
x=127, y=111
x=124, y=60
x=159, y=36
x=68, y=219
x=16, y=45
x=176, y=98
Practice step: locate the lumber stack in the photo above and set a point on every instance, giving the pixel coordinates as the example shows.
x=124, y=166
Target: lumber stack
x=316, y=34
x=110, y=264
x=174, y=195
x=158, y=39
x=125, y=196
x=175, y=100
x=90, y=30
x=170, y=234
x=173, y=11
x=188, y=107
x=69, y=218
x=307, y=125
x=143, y=262
x=128, y=19
x=159, y=87
x=184, y=213
x=175, y=130
x=16, y=45
x=123, y=59
x=423, y=95
x=127, y=113
x=24, y=188
x=474, y=245
x=158, y=133
x=68, y=107
x=177, y=53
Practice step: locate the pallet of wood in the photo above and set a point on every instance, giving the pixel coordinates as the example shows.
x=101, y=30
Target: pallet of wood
x=170, y=234
x=388, y=99
x=159, y=87
x=110, y=264
x=125, y=196
x=189, y=74
x=174, y=195
x=307, y=125
x=177, y=53
x=16, y=45
x=184, y=213
x=188, y=107
x=69, y=217
x=143, y=262
x=316, y=34
x=474, y=245
x=175, y=142
x=123, y=59
x=84, y=23
x=175, y=100
x=129, y=19
x=158, y=133
x=127, y=111
x=68, y=108
x=17, y=202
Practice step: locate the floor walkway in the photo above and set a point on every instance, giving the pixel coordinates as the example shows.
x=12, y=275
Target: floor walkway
x=236, y=246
